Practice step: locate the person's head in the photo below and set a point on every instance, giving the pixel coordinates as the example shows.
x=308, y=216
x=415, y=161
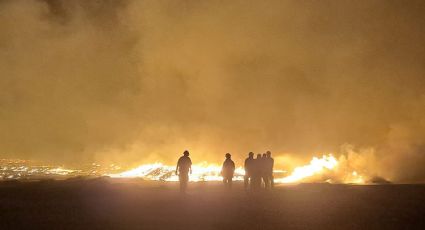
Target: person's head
x=251, y=154
x=264, y=155
x=269, y=154
x=186, y=153
x=228, y=156
x=259, y=156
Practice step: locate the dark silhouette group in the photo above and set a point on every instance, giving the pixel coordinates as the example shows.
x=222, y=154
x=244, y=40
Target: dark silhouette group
x=258, y=171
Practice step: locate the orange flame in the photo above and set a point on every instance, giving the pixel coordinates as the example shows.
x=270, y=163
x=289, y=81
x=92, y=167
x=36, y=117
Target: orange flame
x=211, y=172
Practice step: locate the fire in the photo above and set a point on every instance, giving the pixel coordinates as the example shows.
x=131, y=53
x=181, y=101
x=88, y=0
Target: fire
x=316, y=166
x=211, y=172
x=326, y=168
x=161, y=172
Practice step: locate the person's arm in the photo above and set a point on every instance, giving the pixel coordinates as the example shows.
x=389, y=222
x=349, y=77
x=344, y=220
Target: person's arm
x=190, y=166
x=177, y=167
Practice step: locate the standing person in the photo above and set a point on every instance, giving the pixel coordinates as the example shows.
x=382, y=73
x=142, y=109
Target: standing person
x=184, y=166
x=227, y=171
x=264, y=171
x=256, y=173
x=270, y=165
x=249, y=169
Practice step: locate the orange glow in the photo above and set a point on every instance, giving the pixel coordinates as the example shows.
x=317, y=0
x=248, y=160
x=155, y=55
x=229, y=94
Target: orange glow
x=211, y=172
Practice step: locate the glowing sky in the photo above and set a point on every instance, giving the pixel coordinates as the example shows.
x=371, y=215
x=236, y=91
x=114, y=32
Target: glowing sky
x=140, y=81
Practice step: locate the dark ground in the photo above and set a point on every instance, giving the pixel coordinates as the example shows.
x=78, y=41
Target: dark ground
x=134, y=204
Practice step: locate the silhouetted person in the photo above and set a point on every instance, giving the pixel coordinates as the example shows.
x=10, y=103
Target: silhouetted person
x=256, y=173
x=184, y=166
x=270, y=165
x=228, y=170
x=249, y=169
x=264, y=171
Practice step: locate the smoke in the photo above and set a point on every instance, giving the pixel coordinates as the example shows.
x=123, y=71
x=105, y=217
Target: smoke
x=140, y=81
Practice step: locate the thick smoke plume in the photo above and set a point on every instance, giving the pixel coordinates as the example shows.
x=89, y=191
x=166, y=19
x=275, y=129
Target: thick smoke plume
x=140, y=81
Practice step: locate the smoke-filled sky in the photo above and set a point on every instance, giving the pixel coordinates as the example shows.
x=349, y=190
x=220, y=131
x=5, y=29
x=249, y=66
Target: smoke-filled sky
x=140, y=81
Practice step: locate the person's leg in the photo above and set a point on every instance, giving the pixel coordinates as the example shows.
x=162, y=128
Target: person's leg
x=227, y=182
x=266, y=182
x=254, y=182
x=183, y=184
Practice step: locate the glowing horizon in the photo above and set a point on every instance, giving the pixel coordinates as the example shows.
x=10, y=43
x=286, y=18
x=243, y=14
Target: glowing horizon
x=211, y=172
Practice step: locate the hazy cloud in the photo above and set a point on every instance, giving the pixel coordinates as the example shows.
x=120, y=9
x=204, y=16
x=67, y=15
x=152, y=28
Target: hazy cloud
x=133, y=81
